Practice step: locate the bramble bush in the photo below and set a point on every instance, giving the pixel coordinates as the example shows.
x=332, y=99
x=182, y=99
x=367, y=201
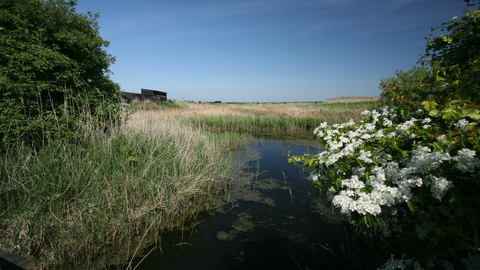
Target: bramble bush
x=413, y=166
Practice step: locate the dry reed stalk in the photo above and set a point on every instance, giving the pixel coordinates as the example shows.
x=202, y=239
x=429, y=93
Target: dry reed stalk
x=284, y=109
x=156, y=123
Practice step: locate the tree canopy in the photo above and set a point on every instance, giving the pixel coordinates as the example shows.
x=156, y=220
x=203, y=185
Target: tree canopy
x=53, y=69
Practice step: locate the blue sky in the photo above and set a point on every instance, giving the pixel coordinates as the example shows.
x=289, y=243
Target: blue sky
x=265, y=50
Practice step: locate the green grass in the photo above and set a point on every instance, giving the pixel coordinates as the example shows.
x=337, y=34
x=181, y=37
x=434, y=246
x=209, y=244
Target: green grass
x=254, y=123
x=69, y=202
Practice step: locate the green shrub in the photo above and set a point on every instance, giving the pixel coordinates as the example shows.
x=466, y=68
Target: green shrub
x=413, y=168
x=54, y=71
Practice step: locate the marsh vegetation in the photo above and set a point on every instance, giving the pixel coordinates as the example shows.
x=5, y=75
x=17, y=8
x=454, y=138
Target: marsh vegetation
x=269, y=116
x=69, y=202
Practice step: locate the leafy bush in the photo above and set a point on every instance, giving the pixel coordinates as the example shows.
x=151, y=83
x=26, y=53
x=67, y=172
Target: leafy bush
x=413, y=167
x=54, y=71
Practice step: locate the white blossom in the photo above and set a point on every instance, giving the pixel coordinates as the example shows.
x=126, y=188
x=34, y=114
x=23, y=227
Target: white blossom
x=472, y=262
x=445, y=86
x=393, y=264
x=378, y=182
x=365, y=156
x=462, y=124
x=466, y=161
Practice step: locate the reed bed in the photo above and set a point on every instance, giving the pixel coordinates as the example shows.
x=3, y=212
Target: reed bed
x=70, y=202
x=267, y=116
x=351, y=99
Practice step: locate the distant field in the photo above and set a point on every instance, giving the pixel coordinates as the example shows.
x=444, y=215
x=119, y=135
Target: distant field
x=300, y=110
x=351, y=99
x=266, y=116
x=252, y=116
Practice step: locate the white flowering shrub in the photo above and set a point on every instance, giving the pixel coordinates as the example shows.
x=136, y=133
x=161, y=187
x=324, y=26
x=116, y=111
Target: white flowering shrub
x=406, y=168
x=415, y=168
x=383, y=162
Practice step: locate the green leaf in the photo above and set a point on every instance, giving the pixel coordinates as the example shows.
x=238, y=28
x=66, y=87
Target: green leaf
x=437, y=146
x=472, y=113
x=451, y=114
x=367, y=189
x=338, y=181
x=446, y=38
x=434, y=113
x=368, y=220
x=308, y=163
x=429, y=105
x=413, y=208
x=455, y=83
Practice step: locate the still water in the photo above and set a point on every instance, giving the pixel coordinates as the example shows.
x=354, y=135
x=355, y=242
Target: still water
x=272, y=220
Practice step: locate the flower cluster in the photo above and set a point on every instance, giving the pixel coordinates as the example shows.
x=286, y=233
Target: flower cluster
x=399, y=167
x=469, y=263
x=393, y=264
x=462, y=124
x=378, y=181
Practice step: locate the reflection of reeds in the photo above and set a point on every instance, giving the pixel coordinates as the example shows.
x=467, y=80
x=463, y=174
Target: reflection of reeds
x=68, y=202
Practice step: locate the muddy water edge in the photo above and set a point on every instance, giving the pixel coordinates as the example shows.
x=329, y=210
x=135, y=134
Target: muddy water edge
x=271, y=219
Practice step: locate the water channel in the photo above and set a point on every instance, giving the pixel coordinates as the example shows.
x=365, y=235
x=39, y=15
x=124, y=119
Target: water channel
x=272, y=220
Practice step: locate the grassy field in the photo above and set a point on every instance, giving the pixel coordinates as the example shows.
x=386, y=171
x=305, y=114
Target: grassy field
x=268, y=116
x=71, y=202
x=351, y=99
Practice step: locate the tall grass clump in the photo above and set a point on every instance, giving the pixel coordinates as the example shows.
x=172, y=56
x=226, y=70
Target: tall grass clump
x=235, y=123
x=67, y=202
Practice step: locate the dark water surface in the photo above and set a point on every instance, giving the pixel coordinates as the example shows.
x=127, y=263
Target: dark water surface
x=272, y=220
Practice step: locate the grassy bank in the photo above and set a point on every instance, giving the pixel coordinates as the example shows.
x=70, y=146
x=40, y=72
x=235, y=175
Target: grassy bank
x=69, y=202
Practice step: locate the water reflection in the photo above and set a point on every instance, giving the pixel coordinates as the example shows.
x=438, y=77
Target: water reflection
x=271, y=220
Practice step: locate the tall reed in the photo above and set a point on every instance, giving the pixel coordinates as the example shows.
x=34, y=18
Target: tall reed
x=270, y=117
x=68, y=202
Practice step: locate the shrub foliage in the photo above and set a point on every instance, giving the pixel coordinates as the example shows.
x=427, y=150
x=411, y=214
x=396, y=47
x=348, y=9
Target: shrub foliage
x=53, y=70
x=413, y=166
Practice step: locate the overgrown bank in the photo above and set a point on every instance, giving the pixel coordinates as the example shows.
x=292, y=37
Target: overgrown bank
x=67, y=203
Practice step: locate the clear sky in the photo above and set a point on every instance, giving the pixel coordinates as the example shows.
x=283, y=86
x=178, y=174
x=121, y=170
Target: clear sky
x=265, y=50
